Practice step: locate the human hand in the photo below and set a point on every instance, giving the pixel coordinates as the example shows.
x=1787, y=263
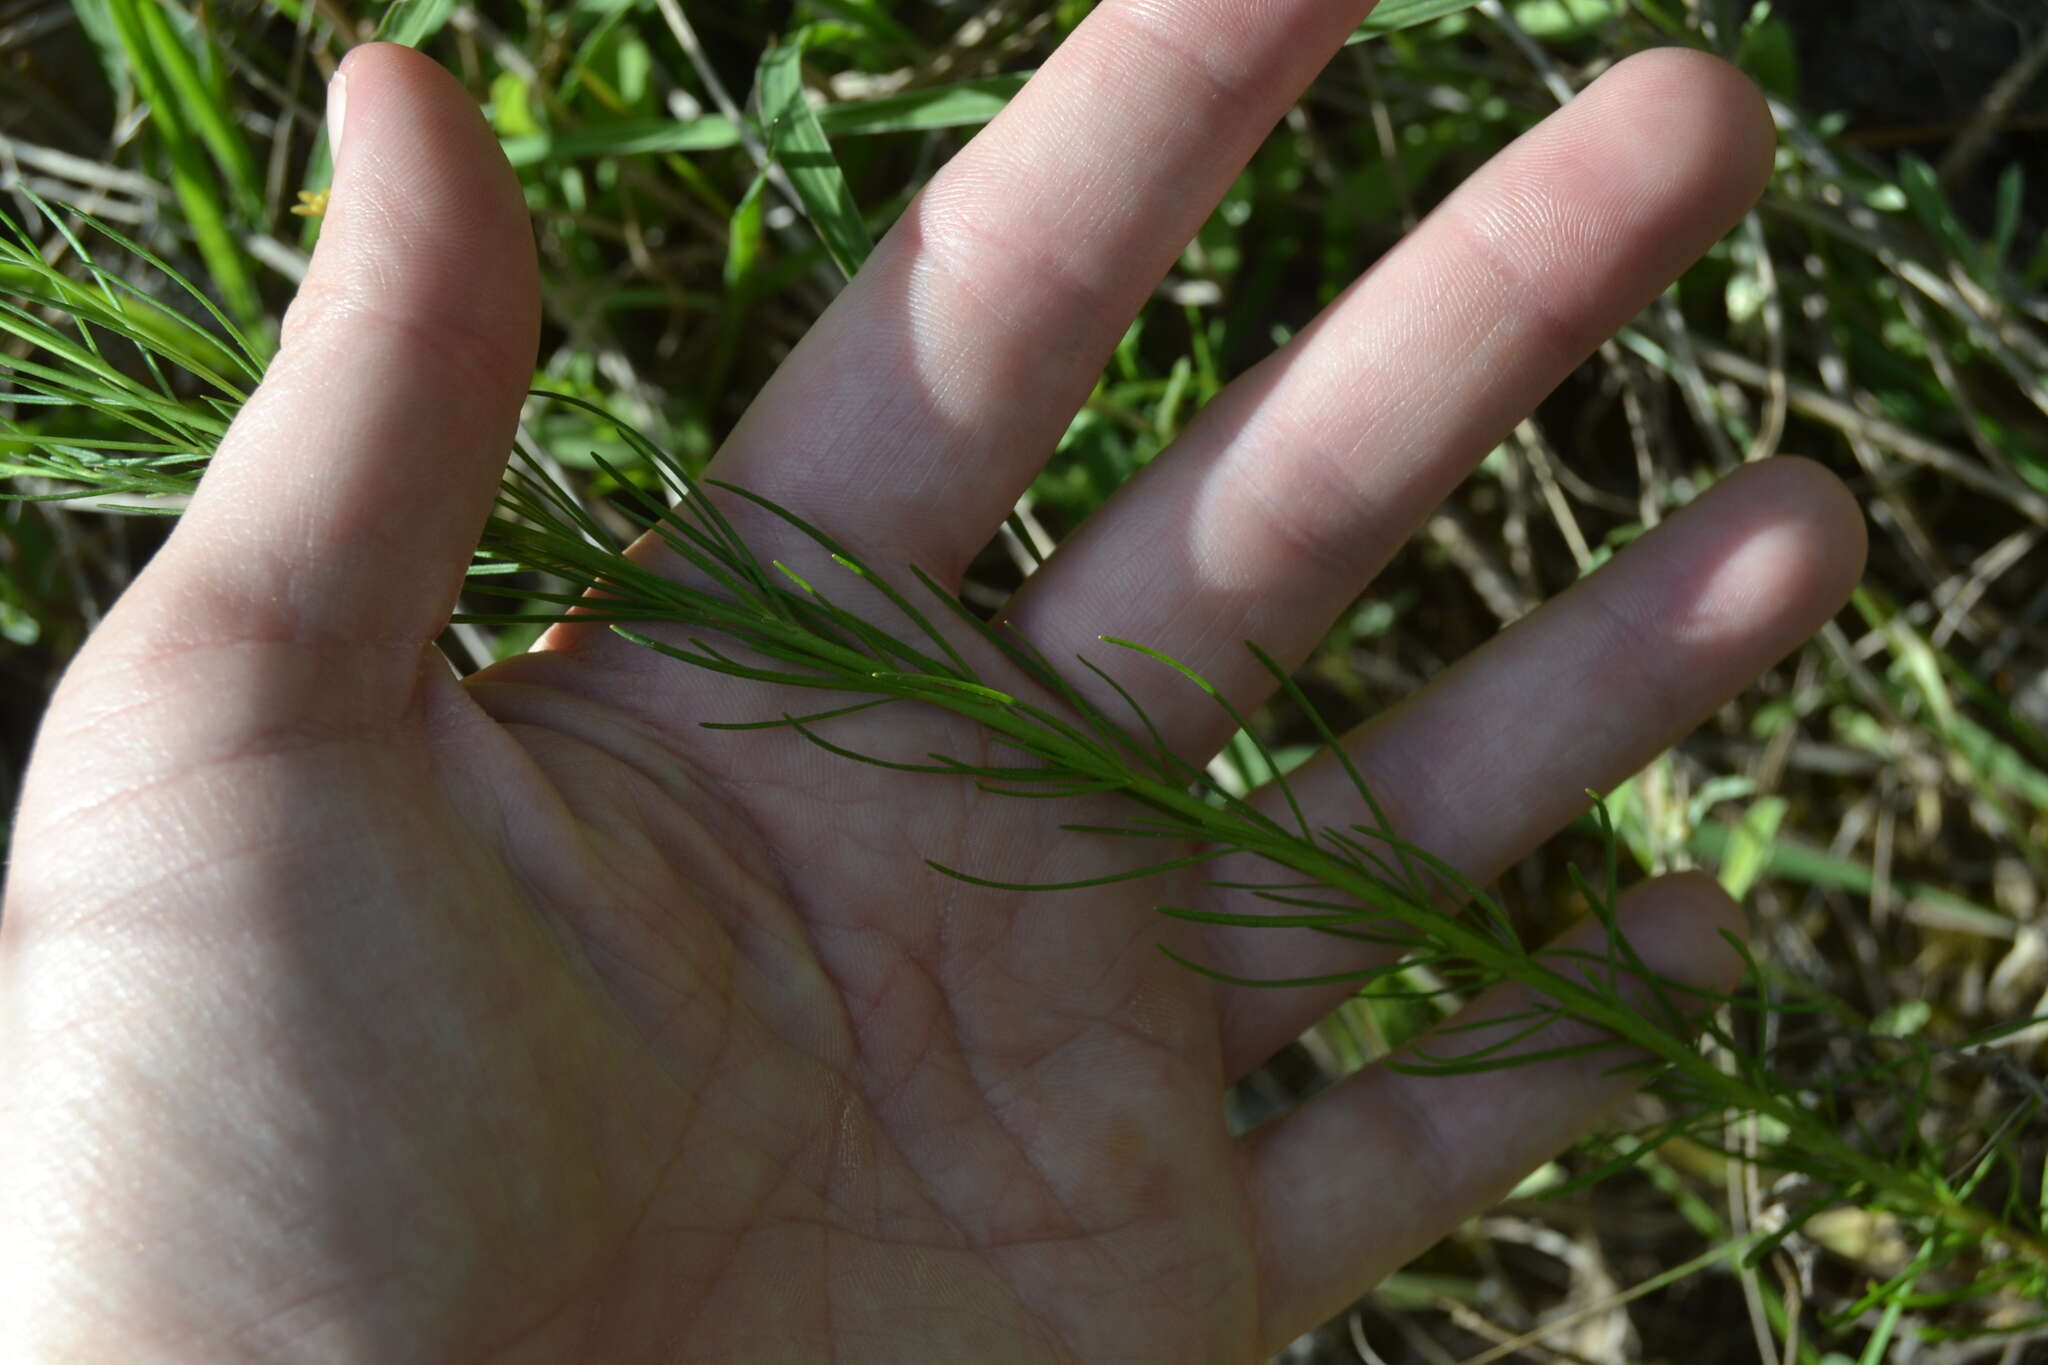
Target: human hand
x=349, y=1011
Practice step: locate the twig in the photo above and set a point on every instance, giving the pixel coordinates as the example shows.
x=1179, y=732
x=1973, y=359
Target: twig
x=2022, y=355
x=1958, y=598
x=1513, y=1345
x=1530, y=437
x=83, y=170
x=1900, y=440
x=1503, y=597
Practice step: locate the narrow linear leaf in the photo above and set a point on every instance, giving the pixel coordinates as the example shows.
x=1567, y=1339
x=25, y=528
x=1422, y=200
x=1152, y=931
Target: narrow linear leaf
x=214, y=122
x=966, y=104
x=799, y=143
x=412, y=22
x=1391, y=16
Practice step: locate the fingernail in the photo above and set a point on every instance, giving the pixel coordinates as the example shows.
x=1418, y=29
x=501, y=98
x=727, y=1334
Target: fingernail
x=337, y=110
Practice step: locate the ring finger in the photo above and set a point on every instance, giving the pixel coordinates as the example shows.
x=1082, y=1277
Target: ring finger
x=1496, y=755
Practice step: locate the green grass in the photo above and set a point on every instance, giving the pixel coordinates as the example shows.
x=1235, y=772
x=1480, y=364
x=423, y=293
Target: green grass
x=1882, y=797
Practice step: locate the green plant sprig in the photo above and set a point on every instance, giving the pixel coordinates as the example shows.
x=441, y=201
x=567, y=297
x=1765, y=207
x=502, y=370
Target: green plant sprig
x=1403, y=898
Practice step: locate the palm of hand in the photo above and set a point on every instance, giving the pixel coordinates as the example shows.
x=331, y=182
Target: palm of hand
x=655, y=1053
x=354, y=1012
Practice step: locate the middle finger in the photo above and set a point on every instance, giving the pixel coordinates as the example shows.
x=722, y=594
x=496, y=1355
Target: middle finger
x=922, y=404
x=1295, y=486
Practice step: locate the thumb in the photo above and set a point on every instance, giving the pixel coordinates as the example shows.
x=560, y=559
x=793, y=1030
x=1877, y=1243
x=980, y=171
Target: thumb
x=344, y=502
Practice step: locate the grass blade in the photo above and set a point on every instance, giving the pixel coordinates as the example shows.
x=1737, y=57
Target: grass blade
x=1394, y=15
x=798, y=142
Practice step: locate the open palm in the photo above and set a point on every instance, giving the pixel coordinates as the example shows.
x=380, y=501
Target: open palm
x=349, y=1011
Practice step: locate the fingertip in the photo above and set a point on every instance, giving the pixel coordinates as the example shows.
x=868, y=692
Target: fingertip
x=1804, y=537
x=376, y=54
x=1834, y=517
x=1462, y=1140
x=1608, y=201
x=1747, y=573
x=425, y=209
x=1700, y=118
x=1718, y=97
x=1681, y=923
x=383, y=55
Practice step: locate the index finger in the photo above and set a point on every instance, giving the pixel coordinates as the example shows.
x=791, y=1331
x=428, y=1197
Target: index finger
x=919, y=409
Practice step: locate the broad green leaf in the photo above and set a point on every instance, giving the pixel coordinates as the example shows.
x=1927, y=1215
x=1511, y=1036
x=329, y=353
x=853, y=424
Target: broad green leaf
x=798, y=142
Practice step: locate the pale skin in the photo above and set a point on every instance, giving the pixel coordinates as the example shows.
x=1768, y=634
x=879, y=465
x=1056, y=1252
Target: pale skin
x=352, y=1012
